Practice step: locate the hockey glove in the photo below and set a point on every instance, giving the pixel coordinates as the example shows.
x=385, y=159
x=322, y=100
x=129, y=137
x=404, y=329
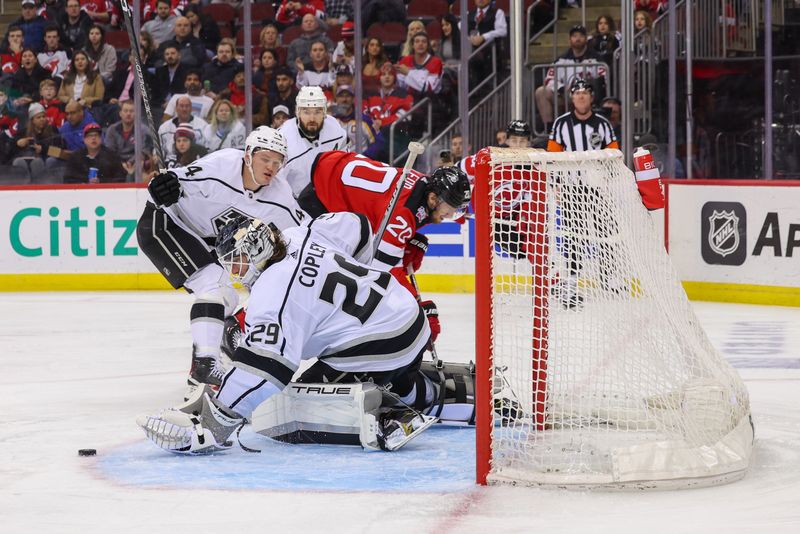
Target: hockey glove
x=165, y=188
x=432, y=313
x=414, y=252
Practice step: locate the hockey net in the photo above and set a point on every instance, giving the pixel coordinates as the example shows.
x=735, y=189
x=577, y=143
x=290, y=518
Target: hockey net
x=592, y=367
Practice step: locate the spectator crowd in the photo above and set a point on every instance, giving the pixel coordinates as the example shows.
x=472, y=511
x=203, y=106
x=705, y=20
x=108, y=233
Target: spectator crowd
x=67, y=81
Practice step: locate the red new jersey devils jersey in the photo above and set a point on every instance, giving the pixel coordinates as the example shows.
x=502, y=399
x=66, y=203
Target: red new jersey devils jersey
x=345, y=181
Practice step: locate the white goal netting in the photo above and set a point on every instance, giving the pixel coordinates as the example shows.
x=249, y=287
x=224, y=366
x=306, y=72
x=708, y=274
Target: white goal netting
x=603, y=375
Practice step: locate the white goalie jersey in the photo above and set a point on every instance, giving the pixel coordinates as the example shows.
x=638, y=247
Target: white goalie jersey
x=321, y=302
x=302, y=152
x=213, y=194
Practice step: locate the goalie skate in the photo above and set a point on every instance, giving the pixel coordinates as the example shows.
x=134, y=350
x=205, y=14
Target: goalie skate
x=204, y=371
x=399, y=427
x=197, y=427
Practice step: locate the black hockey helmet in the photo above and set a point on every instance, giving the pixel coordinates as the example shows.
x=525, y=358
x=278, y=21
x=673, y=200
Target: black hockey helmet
x=581, y=85
x=519, y=128
x=451, y=185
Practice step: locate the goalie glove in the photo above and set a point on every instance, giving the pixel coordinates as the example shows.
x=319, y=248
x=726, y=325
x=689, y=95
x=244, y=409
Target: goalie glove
x=165, y=189
x=415, y=250
x=200, y=426
x=432, y=313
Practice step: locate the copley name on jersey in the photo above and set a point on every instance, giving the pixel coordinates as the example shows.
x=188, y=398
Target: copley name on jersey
x=311, y=265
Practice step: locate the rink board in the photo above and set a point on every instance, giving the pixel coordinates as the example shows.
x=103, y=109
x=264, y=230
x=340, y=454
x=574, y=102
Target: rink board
x=78, y=237
x=735, y=240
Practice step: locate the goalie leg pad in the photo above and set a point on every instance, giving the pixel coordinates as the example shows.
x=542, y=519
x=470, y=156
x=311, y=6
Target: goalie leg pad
x=322, y=413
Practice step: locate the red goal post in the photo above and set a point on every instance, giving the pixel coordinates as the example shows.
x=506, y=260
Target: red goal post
x=591, y=368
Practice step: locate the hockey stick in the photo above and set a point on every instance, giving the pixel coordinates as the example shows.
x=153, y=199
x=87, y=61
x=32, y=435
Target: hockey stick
x=414, y=150
x=436, y=361
x=137, y=68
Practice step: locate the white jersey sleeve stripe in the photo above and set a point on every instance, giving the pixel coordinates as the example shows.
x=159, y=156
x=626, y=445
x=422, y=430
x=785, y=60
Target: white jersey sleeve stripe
x=384, y=352
x=281, y=206
x=267, y=367
x=229, y=186
x=331, y=140
x=309, y=149
x=244, y=391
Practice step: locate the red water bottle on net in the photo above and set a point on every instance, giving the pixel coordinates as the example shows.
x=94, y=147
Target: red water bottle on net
x=648, y=179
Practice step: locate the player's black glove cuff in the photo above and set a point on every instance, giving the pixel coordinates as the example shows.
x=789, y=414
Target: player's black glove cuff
x=420, y=241
x=165, y=188
x=429, y=308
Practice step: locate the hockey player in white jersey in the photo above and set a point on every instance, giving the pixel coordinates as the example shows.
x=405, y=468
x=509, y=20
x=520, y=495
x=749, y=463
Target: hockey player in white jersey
x=314, y=296
x=180, y=223
x=311, y=132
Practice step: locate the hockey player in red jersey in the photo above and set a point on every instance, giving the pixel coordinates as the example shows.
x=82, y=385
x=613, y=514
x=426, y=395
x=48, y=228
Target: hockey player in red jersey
x=343, y=181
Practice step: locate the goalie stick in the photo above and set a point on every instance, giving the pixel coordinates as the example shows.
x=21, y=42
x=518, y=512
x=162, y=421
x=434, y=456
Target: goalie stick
x=414, y=150
x=137, y=69
x=437, y=363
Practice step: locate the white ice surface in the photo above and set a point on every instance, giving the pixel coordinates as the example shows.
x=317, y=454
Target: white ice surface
x=78, y=367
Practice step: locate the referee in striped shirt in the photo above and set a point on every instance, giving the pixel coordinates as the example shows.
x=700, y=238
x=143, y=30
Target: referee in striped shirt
x=583, y=228
x=581, y=129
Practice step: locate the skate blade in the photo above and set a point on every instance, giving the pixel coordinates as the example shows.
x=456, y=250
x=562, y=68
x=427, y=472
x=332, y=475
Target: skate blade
x=428, y=420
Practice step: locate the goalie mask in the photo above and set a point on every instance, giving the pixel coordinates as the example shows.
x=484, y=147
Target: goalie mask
x=245, y=247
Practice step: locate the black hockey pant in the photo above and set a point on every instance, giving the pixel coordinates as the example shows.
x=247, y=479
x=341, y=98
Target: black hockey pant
x=176, y=253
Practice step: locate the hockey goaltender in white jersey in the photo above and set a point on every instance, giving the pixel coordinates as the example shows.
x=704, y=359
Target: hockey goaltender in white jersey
x=180, y=224
x=313, y=296
x=309, y=134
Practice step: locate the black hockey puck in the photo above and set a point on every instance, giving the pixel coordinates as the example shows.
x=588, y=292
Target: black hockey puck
x=87, y=452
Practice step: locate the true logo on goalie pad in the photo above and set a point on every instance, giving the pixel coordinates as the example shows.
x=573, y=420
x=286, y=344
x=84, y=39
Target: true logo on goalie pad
x=322, y=390
x=724, y=231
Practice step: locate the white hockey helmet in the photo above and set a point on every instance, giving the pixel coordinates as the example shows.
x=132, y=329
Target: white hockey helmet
x=245, y=246
x=265, y=138
x=312, y=96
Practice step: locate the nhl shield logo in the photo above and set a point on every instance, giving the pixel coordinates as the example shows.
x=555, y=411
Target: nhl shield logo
x=723, y=233
x=723, y=236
